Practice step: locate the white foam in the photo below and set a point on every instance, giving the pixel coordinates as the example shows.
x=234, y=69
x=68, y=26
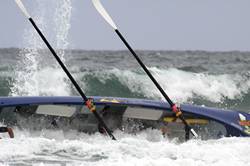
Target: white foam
x=47, y=81
x=127, y=150
x=183, y=86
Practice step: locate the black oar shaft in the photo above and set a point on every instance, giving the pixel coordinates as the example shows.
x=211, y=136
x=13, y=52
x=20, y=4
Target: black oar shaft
x=145, y=68
x=71, y=78
x=172, y=105
x=109, y=20
x=104, y=126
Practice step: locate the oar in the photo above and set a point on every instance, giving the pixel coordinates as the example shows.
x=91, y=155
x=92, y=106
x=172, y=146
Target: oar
x=174, y=107
x=89, y=103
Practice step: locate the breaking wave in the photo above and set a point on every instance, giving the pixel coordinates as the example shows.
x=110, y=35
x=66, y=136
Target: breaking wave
x=180, y=85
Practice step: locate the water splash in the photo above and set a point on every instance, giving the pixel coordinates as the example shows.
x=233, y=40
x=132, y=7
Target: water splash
x=32, y=77
x=62, y=19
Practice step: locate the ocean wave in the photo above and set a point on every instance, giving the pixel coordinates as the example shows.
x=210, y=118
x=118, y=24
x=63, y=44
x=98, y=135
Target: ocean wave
x=180, y=85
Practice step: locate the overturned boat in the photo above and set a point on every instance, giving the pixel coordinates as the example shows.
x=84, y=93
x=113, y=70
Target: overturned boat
x=126, y=114
x=105, y=114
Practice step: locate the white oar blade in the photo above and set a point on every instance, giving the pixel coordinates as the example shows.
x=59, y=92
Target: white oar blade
x=194, y=133
x=21, y=6
x=104, y=13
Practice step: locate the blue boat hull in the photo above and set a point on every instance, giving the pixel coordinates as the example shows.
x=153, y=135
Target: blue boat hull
x=121, y=113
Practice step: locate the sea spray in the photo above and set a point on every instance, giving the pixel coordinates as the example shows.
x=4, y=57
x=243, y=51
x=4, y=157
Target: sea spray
x=31, y=78
x=62, y=18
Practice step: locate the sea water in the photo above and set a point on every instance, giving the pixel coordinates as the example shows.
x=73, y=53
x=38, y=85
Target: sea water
x=216, y=79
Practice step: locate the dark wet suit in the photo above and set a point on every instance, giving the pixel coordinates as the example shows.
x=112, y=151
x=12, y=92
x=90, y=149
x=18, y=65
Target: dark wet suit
x=3, y=129
x=7, y=130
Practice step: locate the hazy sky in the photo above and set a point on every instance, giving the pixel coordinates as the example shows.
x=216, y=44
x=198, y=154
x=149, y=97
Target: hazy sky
x=147, y=24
